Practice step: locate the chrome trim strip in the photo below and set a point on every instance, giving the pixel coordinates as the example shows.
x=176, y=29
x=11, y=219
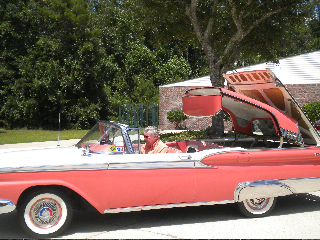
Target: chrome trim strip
x=6, y=206
x=153, y=165
x=133, y=209
x=111, y=166
x=63, y=168
x=275, y=188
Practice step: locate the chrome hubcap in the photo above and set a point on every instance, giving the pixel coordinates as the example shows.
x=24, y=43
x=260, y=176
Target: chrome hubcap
x=258, y=203
x=45, y=213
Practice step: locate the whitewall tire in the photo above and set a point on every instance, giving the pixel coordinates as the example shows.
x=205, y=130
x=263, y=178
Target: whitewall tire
x=257, y=207
x=45, y=214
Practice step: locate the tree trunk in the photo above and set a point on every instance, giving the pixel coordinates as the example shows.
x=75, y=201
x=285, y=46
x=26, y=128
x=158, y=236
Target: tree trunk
x=215, y=64
x=217, y=128
x=217, y=80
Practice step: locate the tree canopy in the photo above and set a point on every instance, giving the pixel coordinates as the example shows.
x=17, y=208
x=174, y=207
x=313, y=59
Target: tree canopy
x=227, y=30
x=83, y=58
x=80, y=58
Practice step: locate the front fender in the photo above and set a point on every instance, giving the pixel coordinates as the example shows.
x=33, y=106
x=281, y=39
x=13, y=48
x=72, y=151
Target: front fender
x=12, y=191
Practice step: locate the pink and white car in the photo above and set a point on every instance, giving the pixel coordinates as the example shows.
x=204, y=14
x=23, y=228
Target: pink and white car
x=105, y=170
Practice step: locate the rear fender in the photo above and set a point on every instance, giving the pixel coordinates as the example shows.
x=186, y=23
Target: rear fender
x=260, y=189
x=275, y=188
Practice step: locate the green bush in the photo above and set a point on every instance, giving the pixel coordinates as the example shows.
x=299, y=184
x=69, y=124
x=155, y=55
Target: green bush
x=177, y=117
x=189, y=135
x=312, y=110
x=186, y=135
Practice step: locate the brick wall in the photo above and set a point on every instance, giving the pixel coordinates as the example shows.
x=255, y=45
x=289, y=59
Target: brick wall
x=170, y=98
x=304, y=93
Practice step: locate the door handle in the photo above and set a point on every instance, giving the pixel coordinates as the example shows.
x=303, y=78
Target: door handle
x=188, y=157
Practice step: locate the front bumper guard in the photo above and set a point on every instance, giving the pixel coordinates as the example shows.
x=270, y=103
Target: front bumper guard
x=6, y=206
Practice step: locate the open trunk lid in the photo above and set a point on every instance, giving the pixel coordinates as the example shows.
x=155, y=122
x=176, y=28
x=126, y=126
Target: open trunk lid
x=255, y=99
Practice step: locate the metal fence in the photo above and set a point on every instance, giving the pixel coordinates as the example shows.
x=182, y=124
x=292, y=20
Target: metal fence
x=139, y=115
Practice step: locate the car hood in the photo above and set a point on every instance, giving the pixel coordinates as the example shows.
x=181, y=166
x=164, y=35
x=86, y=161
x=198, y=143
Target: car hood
x=45, y=158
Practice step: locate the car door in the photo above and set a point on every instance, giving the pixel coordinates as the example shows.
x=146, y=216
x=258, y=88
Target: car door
x=150, y=179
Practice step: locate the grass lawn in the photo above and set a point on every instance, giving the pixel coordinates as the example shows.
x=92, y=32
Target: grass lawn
x=25, y=136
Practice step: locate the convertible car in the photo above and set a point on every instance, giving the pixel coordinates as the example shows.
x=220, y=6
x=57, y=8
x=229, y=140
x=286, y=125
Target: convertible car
x=104, y=171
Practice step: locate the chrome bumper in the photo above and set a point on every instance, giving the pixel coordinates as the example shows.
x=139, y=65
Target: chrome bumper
x=6, y=206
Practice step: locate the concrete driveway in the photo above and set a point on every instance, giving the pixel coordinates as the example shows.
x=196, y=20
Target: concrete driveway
x=62, y=143
x=295, y=216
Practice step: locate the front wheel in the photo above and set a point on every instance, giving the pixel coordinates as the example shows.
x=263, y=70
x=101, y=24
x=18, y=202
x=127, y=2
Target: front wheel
x=257, y=207
x=45, y=214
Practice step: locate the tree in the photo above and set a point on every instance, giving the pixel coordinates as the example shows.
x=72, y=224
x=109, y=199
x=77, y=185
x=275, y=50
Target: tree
x=314, y=25
x=60, y=65
x=17, y=17
x=80, y=58
x=226, y=30
x=145, y=70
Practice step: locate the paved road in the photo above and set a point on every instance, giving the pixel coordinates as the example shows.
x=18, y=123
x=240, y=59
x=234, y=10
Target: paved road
x=296, y=216
x=62, y=143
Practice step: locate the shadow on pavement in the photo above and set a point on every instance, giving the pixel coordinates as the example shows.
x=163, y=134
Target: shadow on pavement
x=88, y=222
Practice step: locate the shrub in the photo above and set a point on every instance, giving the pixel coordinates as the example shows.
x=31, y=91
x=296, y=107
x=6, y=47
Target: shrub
x=186, y=135
x=312, y=110
x=189, y=135
x=177, y=117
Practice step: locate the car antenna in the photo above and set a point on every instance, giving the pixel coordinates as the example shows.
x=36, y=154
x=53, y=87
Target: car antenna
x=59, y=131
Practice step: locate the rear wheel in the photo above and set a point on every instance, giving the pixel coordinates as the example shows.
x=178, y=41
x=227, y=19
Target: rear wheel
x=45, y=214
x=257, y=207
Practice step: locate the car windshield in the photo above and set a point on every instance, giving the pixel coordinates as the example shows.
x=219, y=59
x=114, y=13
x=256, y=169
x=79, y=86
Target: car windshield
x=104, y=137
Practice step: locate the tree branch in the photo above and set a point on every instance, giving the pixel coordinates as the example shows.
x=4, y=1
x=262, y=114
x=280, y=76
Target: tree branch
x=241, y=33
x=210, y=22
x=264, y=17
x=191, y=11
